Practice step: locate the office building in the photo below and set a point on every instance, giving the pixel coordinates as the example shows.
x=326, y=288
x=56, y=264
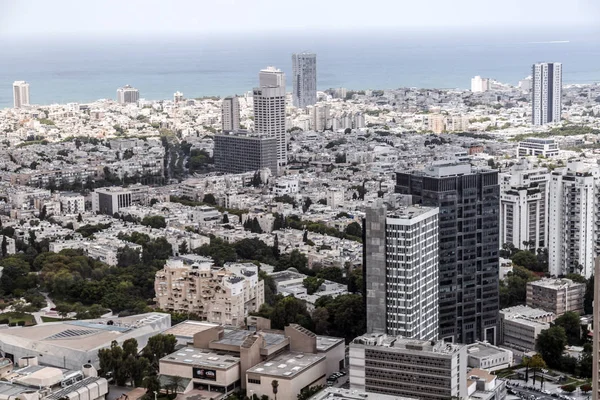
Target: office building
x=110, y=200
x=479, y=84
x=304, y=76
x=407, y=367
x=556, y=295
x=469, y=202
x=20, y=94
x=596, y=336
x=219, y=295
x=269, y=109
x=127, y=94
x=488, y=357
x=537, y=147
x=572, y=218
x=521, y=325
x=401, y=270
x=230, y=114
x=546, y=96
x=242, y=151
x=524, y=192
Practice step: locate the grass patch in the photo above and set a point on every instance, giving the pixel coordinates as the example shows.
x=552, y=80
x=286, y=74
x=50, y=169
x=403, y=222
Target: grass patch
x=15, y=318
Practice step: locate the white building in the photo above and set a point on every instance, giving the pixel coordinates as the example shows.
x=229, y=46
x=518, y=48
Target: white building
x=127, y=94
x=406, y=270
x=72, y=203
x=488, y=357
x=479, y=84
x=178, y=97
x=524, y=205
x=304, y=77
x=319, y=117
x=571, y=230
x=20, y=94
x=285, y=186
x=269, y=109
x=335, y=197
x=546, y=98
x=408, y=367
x=537, y=147
x=230, y=114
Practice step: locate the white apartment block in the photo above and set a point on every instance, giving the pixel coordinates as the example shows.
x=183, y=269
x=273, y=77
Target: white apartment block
x=20, y=94
x=269, y=109
x=72, y=203
x=304, y=75
x=546, y=98
x=285, y=186
x=537, y=147
x=479, y=84
x=572, y=218
x=319, y=117
x=429, y=370
x=219, y=295
x=127, y=94
x=110, y=200
x=524, y=205
x=335, y=197
x=230, y=114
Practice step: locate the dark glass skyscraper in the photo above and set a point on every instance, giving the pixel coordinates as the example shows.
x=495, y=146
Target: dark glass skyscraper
x=469, y=202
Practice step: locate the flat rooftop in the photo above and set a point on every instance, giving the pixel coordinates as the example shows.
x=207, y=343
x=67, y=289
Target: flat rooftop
x=283, y=276
x=287, y=365
x=555, y=283
x=189, y=328
x=400, y=343
x=529, y=322
x=202, y=357
x=332, y=393
x=408, y=212
x=236, y=337
x=525, y=311
x=324, y=343
x=483, y=350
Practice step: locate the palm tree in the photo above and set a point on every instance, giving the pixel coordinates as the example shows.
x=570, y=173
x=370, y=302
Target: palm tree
x=176, y=383
x=275, y=385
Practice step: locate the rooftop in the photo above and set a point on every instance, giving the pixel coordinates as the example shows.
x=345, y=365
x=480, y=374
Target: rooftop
x=324, y=343
x=392, y=342
x=189, y=328
x=552, y=283
x=237, y=338
x=287, y=365
x=332, y=393
x=482, y=350
x=408, y=212
x=525, y=311
x=202, y=357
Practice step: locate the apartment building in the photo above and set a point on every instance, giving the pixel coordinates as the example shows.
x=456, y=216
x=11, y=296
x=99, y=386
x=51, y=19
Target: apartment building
x=110, y=200
x=524, y=192
x=222, y=295
x=407, y=367
x=537, y=147
x=546, y=98
x=241, y=151
x=556, y=295
x=71, y=203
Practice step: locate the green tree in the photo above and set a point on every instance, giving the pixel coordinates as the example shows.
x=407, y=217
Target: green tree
x=183, y=248
x=571, y=323
x=225, y=218
x=569, y=388
x=312, y=284
x=152, y=384
x=588, y=298
x=209, y=198
x=551, y=344
x=320, y=318
x=275, y=385
x=333, y=274
x=43, y=213
x=527, y=259
x=513, y=289
x=296, y=260
x=288, y=310
x=4, y=246
x=307, y=393
x=355, y=281
x=354, y=229
x=159, y=346
x=155, y=221
x=306, y=205
x=127, y=256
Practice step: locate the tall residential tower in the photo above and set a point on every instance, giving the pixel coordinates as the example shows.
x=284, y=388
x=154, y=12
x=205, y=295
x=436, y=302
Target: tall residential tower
x=546, y=97
x=20, y=94
x=469, y=202
x=401, y=270
x=230, y=114
x=127, y=94
x=269, y=109
x=304, y=71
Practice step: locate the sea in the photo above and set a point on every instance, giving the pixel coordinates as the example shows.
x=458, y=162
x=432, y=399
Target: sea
x=82, y=69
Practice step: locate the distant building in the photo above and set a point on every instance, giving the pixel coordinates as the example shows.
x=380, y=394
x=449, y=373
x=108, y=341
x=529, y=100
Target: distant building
x=537, y=147
x=521, y=325
x=218, y=295
x=319, y=117
x=524, y=192
x=468, y=250
x=401, y=271
x=178, y=97
x=488, y=357
x=127, y=94
x=230, y=114
x=556, y=295
x=269, y=109
x=479, y=84
x=20, y=94
x=546, y=99
x=72, y=203
x=110, y=200
x=437, y=123
x=397, y=366
x=304, y=77
x=241, y=151
x=572, y=217
x=285, y=186
x=335, y=197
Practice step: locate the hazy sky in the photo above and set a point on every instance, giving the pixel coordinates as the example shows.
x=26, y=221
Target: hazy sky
x=20, y=18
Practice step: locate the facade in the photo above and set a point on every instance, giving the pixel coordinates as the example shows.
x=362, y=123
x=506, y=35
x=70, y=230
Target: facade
x=556, y=295
x=110, y=200
x=546, y=96
x=269, y=109
x=319, y=117
x=127, y=94
x=177, y=97
x=230, y=114
x=219, y=295
x=335, y=197
x=72, y=203
x=572, y=217
x=469, y=202
x=524, y=192
x=520, y=326
x=406, y=367
x=537, y=147
x=479, y=84
x=488, y=357
x=304, y=76
x=20, y=94
x=241, y=151
x=401, y=247
x=596, y=337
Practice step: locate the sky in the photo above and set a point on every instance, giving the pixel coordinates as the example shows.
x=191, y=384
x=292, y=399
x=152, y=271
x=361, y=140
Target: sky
x=26, y=18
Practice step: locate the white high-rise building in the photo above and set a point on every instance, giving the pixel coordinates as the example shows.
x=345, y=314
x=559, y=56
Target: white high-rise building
x=230, y=114
x=524, y=205
x=304, y=71
x=479, y=84
x=402, y=262
x=178, y=97
x=20, y=94
x=546, y=96
x=572, y=218
x=319, y=116
x=127, y=94
x=269, y=109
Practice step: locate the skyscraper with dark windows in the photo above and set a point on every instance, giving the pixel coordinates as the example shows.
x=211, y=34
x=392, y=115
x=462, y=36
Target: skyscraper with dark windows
x=468, y=202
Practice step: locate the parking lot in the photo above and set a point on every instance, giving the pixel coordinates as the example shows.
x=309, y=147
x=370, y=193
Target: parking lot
x=550, y=391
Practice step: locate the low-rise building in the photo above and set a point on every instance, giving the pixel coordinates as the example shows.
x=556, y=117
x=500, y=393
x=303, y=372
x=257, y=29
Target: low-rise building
x=537, y=147
x=521, y=325
x=556, y=295
x=486, y=356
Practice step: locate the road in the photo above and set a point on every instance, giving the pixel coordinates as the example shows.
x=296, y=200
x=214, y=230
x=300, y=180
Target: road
x=49, y=306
